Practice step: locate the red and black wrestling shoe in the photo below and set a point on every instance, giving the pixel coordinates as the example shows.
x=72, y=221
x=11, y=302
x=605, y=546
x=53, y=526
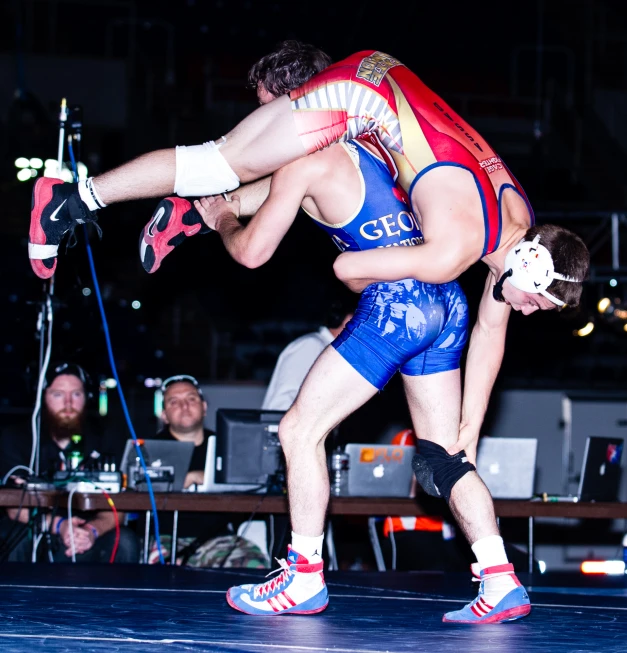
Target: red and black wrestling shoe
x=174, y=220
x=56, y=208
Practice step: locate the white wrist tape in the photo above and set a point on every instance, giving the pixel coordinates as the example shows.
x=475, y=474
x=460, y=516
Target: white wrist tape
x=202, y=170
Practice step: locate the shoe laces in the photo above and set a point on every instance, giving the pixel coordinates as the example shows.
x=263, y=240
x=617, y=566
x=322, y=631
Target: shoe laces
x=274, y=584
x=73, y=240
x=483, y=580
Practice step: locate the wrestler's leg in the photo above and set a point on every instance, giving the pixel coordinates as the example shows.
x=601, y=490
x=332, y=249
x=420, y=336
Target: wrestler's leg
x=332, y=390
x=434, y=404
x=260, y=144
x=263, y=142
x=175, y=219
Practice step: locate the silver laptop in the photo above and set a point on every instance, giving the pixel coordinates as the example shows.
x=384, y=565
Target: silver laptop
x=210, y=475
x=600, y=469
x=508, y=466
x=376, y=470
x=167, y=462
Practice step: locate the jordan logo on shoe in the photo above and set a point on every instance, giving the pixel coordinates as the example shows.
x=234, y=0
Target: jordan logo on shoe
x=315, y=553
x=158, y=215
x=54, y=213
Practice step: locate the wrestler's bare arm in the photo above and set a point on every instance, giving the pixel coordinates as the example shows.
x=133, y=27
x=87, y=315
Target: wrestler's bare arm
x=252, y=196
x=253, y=244
x=453, y=225
x=485, y=355
x=439, y=260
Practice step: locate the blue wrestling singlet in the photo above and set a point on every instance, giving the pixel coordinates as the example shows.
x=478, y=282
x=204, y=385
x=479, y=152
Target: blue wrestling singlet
x=419, y=328
x=384, y=219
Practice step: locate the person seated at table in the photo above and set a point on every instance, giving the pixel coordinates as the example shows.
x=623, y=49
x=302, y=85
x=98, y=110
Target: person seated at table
x=203, y=539
x=65, y=400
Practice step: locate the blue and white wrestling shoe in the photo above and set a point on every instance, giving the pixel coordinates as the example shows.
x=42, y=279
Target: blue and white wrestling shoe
x=298, y=589
x=512, y=606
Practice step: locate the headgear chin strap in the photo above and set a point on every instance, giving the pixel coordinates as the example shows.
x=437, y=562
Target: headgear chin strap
x=530, y=268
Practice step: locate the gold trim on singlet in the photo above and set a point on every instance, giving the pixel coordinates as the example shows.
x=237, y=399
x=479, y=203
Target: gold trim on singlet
x=417, y=153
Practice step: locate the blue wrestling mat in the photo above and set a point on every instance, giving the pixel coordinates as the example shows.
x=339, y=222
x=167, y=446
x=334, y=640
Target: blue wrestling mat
x=149, y=608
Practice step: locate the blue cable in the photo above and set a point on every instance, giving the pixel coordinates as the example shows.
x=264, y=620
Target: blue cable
x=105, y=325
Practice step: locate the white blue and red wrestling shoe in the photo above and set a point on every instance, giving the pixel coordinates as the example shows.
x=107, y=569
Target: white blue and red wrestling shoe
x=56, y=208
x=512, y=606
x=175, y=219
x=298, y=589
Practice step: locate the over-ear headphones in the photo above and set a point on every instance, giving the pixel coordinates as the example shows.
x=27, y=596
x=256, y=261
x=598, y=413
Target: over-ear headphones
x=74, y=369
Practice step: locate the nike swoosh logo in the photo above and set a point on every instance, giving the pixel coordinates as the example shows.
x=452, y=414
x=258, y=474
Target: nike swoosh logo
x=52, y=217
x=157, y=216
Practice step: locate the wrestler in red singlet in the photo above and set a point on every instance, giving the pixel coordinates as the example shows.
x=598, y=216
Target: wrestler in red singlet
x=373, y=92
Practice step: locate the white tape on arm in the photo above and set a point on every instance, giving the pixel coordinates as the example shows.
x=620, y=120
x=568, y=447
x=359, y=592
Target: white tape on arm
x=202, y=170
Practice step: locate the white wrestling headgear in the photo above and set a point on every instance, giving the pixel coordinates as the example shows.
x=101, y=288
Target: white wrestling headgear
x=530, y=268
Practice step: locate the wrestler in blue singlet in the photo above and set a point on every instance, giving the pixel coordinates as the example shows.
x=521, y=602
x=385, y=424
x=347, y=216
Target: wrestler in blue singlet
x=419, y=328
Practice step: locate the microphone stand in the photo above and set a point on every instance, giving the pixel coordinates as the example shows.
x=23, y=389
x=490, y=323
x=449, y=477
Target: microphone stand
x=44, y=318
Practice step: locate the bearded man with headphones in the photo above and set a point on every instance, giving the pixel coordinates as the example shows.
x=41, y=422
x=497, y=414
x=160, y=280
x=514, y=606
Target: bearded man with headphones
x=67, y=391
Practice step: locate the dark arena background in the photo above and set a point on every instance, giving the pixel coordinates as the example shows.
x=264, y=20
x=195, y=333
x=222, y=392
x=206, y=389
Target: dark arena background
x=545, y=82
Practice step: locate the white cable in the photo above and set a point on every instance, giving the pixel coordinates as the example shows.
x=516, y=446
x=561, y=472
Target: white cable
x=69, y=518
x=63, y=114
x=40, y=384
x=393, y=543
x=45, y=529
x=38, y=539
x=6, y=476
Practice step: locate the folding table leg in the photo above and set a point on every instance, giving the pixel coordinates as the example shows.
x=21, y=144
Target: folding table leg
x=530, y=546
x=147, y=537
x=376, y=545
x=331, y=548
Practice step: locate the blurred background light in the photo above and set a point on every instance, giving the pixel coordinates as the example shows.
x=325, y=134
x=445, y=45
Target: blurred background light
x=585, y=330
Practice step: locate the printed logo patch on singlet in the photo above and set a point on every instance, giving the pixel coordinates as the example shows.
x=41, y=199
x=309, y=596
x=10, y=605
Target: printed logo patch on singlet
x=374, y=67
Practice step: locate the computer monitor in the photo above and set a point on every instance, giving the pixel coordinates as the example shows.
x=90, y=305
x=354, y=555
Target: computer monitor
x=209, y=483
x=168, y=463
x=247, y=446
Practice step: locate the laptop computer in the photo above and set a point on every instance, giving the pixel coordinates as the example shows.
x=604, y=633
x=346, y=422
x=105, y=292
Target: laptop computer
x=210, y=484
x=376, y=470
x=508, y=466
x=601, y=469
x=168, y=463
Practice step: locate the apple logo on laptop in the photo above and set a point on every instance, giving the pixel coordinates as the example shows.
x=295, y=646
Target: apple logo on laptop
x=378, y=471
x=494, y=468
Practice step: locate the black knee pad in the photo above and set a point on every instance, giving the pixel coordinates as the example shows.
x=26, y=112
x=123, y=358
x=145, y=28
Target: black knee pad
x=437, y=471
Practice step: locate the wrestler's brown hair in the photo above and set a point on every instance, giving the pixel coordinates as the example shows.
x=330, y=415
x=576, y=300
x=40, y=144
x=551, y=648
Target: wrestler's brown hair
x=288, y=67
x=570, y=258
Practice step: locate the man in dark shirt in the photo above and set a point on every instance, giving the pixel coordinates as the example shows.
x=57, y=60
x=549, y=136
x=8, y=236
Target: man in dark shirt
x=203, y=539
x=64, y=407
x=184, y=409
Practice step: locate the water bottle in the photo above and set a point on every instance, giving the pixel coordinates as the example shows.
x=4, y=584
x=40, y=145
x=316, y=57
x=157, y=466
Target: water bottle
x=75, y=455
x=339, y=473
x=625, y=551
